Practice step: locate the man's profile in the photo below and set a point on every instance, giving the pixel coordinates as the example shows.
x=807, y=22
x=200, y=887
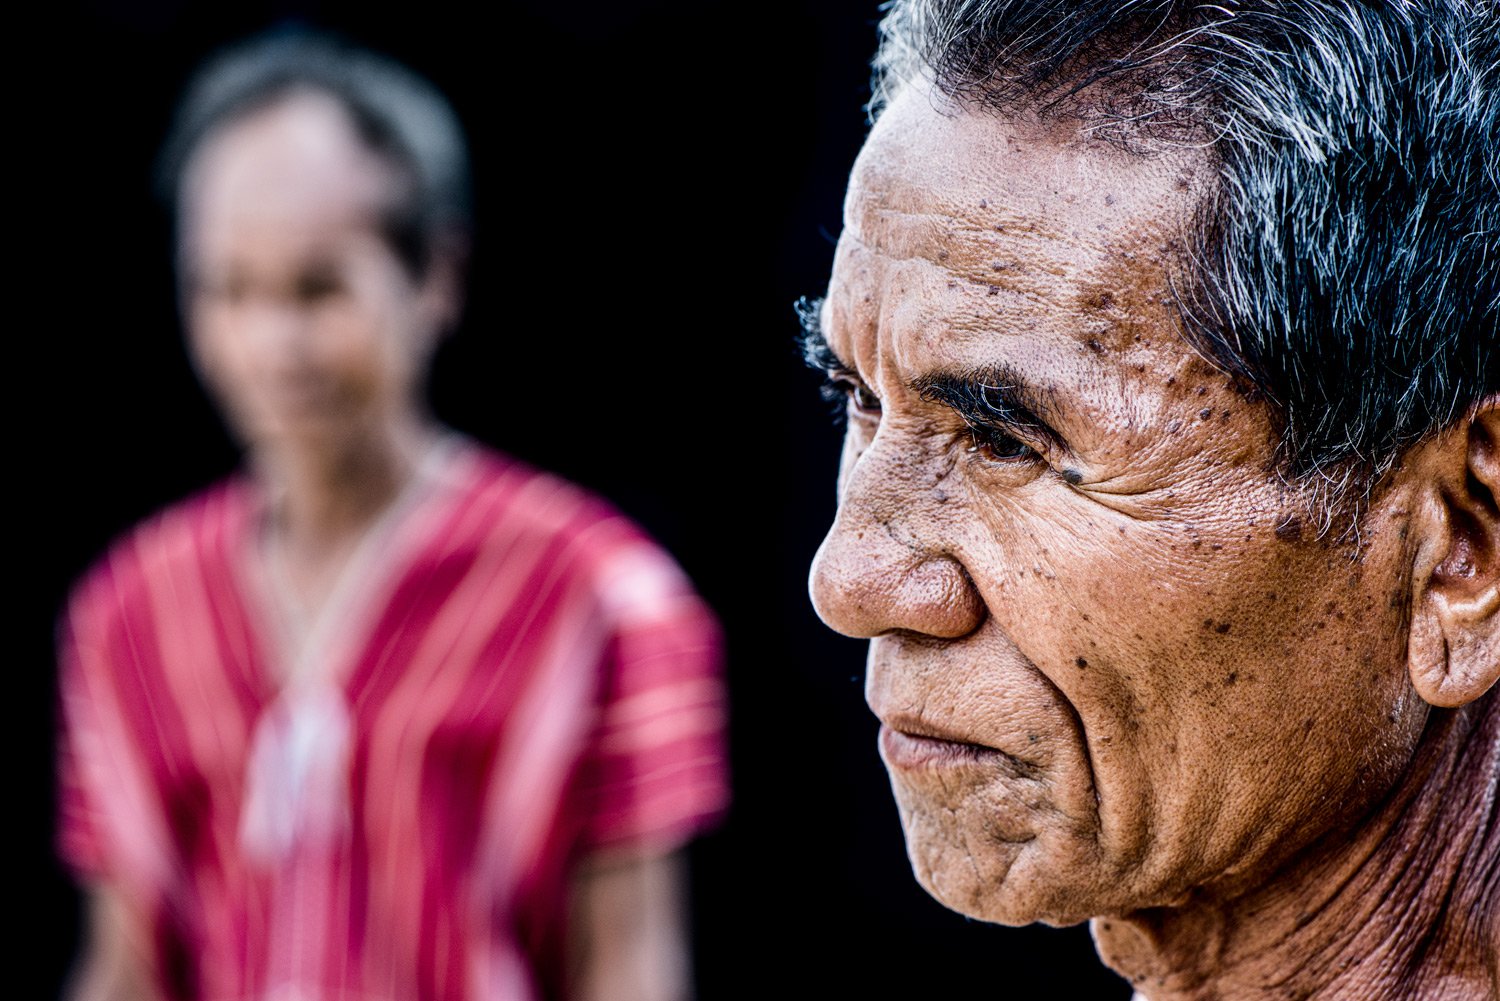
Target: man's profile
x=1169, y=489
x=387, y=714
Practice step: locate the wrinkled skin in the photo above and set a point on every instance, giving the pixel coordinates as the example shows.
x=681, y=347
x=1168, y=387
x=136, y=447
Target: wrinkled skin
x=1117, y=669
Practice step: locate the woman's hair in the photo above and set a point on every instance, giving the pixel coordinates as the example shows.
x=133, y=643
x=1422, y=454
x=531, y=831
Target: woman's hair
x=400, y=116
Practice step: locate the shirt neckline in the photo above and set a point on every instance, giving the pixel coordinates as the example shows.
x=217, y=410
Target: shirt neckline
x=321, y=652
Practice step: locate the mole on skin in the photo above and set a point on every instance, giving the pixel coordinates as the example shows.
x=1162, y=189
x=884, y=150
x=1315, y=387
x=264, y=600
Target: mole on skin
x=1199, y=749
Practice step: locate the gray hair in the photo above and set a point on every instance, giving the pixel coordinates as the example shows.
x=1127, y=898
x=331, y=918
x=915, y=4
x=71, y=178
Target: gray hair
x=1346, y=267
x=397, y=114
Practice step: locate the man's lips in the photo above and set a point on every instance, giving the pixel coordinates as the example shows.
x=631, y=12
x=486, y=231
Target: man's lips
x=901, y=749
x=912, y=725
x=910, y=742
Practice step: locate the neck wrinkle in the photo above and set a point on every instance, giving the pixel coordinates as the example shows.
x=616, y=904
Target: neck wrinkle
x=1406, y=905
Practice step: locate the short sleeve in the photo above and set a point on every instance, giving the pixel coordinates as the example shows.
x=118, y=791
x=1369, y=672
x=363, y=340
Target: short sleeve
x=79, y=843
x=109, y=821
x=81, y=836
x=656, y=772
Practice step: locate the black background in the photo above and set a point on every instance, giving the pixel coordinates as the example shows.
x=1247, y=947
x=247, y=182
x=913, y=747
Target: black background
x=656, y=183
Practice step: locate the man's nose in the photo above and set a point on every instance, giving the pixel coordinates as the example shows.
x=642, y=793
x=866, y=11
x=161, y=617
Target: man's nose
x=882, y=567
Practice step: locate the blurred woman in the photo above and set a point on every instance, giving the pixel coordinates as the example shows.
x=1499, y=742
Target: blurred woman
x=387, y=715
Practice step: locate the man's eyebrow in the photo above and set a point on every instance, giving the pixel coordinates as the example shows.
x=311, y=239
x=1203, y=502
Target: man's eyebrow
x=989, y=395
x=816, y=351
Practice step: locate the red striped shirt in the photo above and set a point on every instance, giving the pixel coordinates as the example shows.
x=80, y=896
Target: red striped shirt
x=386, y=805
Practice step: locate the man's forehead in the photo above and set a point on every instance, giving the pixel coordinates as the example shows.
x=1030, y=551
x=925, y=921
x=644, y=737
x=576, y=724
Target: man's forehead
x=982, y=225
x=958, y=186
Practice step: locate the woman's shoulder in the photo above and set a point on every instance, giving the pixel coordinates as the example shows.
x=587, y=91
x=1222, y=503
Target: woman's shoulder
x=193, y=533
x=579, y=525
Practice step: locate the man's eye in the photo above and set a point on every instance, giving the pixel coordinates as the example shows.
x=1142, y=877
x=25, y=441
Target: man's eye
x=995, y=445
x=851, y=393
x=864, y=400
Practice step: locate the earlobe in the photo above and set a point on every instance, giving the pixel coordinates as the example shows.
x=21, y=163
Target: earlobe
x=1453, y=651
x=1446, y=673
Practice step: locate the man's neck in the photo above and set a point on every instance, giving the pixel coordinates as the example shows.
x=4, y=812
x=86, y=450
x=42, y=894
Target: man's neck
x=1406, y=906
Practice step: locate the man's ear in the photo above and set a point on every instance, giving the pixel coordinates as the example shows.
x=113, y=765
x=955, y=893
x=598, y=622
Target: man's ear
x=1453, y=652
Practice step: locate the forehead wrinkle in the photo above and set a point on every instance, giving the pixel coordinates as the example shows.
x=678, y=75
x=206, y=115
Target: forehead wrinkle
x=946, y=235
x=843, y=317
x=1016, y=253
x=1078, y=232
x=1065, y=204
x=901, y=319
x=1027, y=284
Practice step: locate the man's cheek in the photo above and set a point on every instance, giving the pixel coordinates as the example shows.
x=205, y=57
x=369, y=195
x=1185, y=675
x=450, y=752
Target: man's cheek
x=1124, y=599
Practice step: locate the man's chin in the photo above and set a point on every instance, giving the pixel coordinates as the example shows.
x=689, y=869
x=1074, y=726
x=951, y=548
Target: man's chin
x=1007, y=883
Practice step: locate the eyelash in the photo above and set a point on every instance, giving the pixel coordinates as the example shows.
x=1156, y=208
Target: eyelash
x=990, y=444
x=994, y=445
x=842, y=391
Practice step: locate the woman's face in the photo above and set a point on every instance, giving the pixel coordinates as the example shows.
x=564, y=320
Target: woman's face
x=305, y=325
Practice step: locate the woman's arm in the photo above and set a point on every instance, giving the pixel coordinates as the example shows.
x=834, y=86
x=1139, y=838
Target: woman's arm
x=628, y=937
x=112, y=963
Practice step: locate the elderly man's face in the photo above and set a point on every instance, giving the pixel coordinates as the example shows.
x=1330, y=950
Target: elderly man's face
x=1113, y=664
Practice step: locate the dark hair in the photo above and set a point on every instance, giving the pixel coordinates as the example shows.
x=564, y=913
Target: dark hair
x=400, y=116
x=1346, y=266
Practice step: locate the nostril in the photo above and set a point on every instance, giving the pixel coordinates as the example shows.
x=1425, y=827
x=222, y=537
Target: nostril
x=942, y=600
x=863, y=586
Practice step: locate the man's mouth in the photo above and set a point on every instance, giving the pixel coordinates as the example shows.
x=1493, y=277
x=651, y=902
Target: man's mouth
x=904, y=749
x=910, y=742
